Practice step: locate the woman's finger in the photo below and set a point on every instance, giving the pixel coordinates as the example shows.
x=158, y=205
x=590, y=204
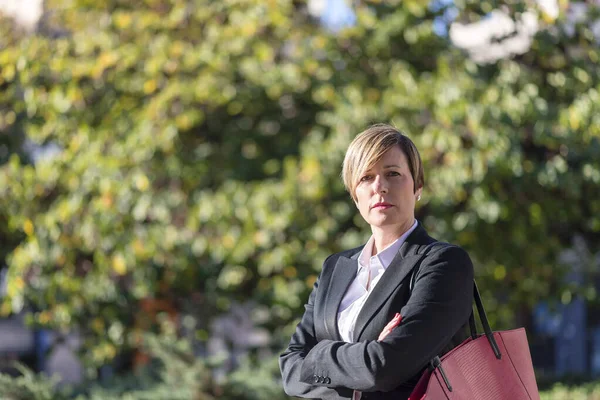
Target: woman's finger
x=391, y=325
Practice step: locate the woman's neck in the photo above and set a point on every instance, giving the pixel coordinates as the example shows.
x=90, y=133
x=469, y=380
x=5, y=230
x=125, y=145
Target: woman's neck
x=384, y=236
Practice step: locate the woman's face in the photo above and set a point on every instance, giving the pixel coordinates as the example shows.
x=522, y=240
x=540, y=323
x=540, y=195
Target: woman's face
x=384, y=194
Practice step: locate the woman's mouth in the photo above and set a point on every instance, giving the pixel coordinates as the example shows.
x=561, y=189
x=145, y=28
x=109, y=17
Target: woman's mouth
x=382, y=206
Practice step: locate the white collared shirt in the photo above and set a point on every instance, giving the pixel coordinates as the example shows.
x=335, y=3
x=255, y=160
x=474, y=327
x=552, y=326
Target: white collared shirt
x=360, y=289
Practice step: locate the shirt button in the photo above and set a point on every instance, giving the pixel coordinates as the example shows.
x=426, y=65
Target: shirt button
x=327, y=381
x=315, y=379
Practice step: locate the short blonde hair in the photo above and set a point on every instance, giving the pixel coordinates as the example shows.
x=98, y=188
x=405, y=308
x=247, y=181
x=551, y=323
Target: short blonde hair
x=368, y=148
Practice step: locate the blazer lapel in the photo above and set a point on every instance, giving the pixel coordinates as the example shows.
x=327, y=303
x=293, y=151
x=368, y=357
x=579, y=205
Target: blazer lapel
x=400, y=267
x=343, y=274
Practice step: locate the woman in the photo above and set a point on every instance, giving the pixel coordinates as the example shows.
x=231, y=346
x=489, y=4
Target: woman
x=379, y=313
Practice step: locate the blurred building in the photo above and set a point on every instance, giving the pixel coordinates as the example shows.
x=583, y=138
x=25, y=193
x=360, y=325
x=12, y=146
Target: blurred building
x=27, y=13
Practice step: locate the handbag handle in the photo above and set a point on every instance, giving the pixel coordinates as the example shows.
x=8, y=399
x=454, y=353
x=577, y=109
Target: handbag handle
x=484, y=322
x=436, y=363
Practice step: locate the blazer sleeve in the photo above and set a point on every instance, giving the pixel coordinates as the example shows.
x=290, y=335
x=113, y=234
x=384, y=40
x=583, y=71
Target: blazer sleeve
x=291, y=361
x=440, y=303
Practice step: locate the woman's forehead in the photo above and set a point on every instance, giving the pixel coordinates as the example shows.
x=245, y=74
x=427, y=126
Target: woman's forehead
x=390, y=159
x=386, y=166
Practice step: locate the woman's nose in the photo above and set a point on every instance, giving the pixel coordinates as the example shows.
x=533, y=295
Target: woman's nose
x=380, y=184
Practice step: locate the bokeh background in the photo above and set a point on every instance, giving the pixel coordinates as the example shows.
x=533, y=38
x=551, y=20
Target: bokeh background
x=170, y=179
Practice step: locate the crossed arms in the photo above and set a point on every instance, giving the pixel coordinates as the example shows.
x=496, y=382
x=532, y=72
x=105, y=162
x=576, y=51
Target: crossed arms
x=440, y=303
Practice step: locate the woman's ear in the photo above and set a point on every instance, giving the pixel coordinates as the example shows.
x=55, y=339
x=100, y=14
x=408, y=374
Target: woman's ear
x=418, y=193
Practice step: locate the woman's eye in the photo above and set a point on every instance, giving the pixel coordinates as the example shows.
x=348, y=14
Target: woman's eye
x=366, y=178
x=393, y=173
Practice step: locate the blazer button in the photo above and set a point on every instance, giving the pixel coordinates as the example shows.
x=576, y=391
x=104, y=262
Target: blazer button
x=315, y=379
x=327, y=381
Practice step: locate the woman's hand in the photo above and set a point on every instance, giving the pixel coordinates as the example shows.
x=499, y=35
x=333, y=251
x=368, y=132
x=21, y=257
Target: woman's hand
x=391, y=325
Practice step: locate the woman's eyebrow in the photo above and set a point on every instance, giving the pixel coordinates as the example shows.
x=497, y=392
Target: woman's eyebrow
x=392, y=166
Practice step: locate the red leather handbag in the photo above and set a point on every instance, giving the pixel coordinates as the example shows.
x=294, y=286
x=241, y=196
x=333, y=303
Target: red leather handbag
x=490, y=366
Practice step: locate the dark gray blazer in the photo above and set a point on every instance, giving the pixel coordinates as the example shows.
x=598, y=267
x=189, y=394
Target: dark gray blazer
x=435, y=315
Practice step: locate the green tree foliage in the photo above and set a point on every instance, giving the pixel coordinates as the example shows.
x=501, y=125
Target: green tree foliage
x=201, y=143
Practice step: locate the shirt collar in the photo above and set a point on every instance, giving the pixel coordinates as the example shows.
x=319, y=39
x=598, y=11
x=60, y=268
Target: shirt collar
x=386, y=255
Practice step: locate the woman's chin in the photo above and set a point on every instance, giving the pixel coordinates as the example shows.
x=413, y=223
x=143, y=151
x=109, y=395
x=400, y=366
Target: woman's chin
x=383, y=222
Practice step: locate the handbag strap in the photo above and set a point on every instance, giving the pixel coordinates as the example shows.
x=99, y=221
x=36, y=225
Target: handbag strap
x=484, y=322
x=478, y=303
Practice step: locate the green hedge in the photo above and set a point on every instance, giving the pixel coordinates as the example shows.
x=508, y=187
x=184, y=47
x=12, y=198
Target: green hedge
x=245, y=384
x=177, y=373
x=588, y=391
x=174, y=372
